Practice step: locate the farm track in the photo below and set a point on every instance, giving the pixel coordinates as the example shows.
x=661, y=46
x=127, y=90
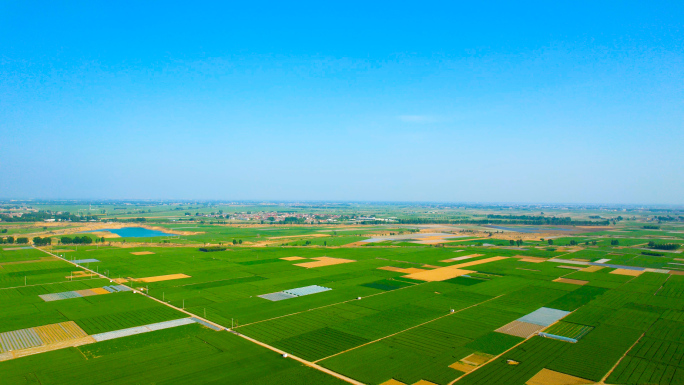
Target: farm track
x=324, y=306
x=412, y=327
x=272, y=348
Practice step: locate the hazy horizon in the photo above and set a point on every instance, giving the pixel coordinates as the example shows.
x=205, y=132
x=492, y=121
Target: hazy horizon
x=380, y=102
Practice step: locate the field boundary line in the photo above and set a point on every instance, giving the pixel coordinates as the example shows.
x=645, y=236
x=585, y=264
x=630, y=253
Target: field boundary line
x=603, y=380
x=507, y=350
x=412, y=327
x=272, y=348
x=324, y=306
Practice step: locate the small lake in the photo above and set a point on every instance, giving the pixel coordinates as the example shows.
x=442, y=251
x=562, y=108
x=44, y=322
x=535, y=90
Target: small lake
x=134, y=232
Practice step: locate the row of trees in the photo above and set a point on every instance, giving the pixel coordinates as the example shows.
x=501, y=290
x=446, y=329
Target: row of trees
x=663, y=246
x=11, y=240
x=38, y=241
x=77, y=240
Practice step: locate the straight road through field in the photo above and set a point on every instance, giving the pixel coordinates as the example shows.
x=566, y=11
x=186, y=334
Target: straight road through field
x=272, y=348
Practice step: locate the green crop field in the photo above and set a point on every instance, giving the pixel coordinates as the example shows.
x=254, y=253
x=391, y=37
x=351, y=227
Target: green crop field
x=370, y=323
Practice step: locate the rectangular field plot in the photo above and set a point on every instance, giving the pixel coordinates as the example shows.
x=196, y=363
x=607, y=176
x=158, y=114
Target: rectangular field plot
x=531, y=357
x=294, y=293
x=595, y=354
x=569, y=330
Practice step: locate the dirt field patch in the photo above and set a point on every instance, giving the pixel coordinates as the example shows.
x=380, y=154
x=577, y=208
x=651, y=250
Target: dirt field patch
x=409, y=270
x=159, y=278
x=392, y=382
x=301, y=236
x=292, y=258
x=524, y=258
x=141, y=252
x=571, y=281
x=478, y=262
x=520, y=329
x=633, y=273
x=99, y=290
x=549, y=377
x=441, y=274
x=324, y=261
x=461, y=367
x=592, y=269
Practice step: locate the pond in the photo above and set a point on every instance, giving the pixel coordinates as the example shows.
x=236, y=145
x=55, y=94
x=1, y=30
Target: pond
x=134, y=232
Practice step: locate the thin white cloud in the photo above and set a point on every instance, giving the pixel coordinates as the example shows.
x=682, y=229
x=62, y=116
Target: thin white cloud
x=417, y=118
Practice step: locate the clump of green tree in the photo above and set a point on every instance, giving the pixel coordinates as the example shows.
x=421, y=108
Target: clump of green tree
x=653, y=253
x=650, y=227
x=76, y=240
x=207, y=249
x=22, y=240
x=9, y=240
x=237, y=241
x=664, y=246
x=614, y=242
x=38, y=241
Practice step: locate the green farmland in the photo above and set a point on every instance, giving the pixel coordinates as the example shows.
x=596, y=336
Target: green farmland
x=367, y=314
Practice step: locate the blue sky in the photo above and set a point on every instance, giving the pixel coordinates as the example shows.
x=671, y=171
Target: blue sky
x=428, y=101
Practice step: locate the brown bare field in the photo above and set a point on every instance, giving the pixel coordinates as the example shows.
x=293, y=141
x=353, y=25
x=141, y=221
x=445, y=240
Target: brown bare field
x=570, y=267
x=99, y=290
x=324, y=261
x=478, y=262
x=86, y=292
x=105, y=234
x=441, y=274
x=524, y=258
x=301, y=236
x=409, y=270
x=580, y=259
x=292, y=258
x=571, y=281
x=633, y=273
x=160, y=278
x=392, y=382
x=461, y=367
x=141, y=252
x=43, y=259
x=519, y=329
x=550, y=377
x=592, y=269
x=51, y=347
x=476, y=359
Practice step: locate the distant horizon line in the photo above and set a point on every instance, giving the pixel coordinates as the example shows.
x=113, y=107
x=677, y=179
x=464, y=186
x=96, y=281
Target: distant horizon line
x=287, y=201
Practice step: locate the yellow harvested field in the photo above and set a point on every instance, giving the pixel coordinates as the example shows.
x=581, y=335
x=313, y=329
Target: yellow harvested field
x=441, y=274
x=571, y=281
x=392, y=268
x=633, y=273
x=592, y=269
x=478, y=262
x=460, y=366
x=476, y=359
x=99, y=290
x=105, y=234
x=550, y=377
x=392, y=382
x=324, y=261
x=580, y=259
x=141, y=252
x=301, y=236
x=163, y=278
x=56, y=346
x=62, y=251
x=432, y=266
x=409, y=270
x=86, y=292
x=292, y=258
x=533, y=259
x=423, y=382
